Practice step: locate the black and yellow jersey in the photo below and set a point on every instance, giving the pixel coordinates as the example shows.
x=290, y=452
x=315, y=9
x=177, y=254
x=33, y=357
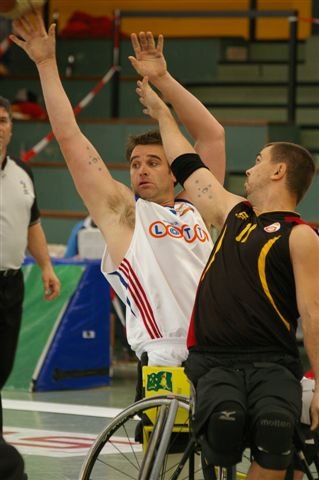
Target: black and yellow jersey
x=246, y=296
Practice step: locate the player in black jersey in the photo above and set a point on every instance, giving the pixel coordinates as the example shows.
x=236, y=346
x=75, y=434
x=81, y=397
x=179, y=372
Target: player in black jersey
x=262, y=274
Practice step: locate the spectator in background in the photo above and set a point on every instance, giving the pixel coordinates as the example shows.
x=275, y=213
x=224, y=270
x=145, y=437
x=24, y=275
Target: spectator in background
x=20, y=229
x=72, y=246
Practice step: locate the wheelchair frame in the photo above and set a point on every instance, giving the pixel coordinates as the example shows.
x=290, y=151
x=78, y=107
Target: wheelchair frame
x=153, y=463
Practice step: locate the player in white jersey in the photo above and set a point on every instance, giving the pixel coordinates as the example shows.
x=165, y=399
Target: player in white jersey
x=158, y=276
x=113, y=207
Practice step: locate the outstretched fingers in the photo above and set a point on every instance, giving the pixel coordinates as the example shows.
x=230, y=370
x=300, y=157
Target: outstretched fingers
x=151, y=44
x=135, y=44
x=17, y=41
x=51, y=32
x=146, y=42
x=30, y=25
x=150, y=40
x=21, y=33
x=26, y=24
x=39, y=22
x=143, y=41
x=134, y=62
x=160, y=43
x=149, y=99
x=141, y=90
x=22, y=28
x=30, y=35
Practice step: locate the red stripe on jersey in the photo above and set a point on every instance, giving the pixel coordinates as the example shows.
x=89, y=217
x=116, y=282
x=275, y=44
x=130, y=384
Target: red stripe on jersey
x=140, y=299
x=191, y=337
x=299, y=221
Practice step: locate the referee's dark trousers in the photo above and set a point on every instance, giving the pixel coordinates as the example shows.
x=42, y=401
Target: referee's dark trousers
x=11, y=300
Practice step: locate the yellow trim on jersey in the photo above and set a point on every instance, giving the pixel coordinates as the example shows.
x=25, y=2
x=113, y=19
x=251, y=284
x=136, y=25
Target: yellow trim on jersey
x=246, y=231
x=218, y=247
x=262, y=275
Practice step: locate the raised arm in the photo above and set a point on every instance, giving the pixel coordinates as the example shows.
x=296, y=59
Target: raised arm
x=304, y=251
x=110, y=203
x=211, y=199
x=207, y=132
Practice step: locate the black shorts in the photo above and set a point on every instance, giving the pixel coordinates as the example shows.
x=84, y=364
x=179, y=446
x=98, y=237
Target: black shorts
x=253, y=385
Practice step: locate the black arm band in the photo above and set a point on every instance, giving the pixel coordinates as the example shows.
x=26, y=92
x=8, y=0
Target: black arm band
x=184, y=165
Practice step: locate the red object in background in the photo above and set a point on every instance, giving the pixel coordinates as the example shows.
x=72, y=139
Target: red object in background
x=309, y=374
x=83, y=25
x=28, y=110
x=7, y=5
x=25, y=106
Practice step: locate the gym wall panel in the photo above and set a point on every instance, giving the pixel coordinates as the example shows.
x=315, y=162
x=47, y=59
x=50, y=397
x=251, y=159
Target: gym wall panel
x=236, y=27
x=267, y=29
x=309, y=205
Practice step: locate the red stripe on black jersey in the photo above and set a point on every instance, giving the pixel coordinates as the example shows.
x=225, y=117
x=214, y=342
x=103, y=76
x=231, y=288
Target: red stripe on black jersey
x=299, y=221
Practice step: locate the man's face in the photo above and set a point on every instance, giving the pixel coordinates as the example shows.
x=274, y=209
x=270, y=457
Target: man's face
x=151, y=177
x=5, y=131
x=259, y=175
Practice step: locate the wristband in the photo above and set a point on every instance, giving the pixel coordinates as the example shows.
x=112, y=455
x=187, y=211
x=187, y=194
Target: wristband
x=184, y=165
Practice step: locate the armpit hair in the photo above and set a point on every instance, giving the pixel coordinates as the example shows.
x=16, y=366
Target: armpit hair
x=128, y=216
x=124, y=210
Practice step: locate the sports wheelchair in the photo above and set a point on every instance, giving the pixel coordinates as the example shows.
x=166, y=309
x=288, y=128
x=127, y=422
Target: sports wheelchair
x=152, y=439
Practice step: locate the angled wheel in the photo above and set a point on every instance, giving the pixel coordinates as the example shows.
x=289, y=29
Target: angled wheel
x=117, y=453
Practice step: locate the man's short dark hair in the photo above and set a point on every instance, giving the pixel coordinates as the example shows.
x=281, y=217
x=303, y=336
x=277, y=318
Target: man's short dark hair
x=152, y=137
x=300, y=166
x=4, y=103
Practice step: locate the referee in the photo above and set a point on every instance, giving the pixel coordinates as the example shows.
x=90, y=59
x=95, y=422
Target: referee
x=20, y=229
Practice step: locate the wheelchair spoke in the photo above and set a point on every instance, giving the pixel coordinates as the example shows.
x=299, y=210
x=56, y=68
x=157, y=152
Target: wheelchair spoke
x=116, y=454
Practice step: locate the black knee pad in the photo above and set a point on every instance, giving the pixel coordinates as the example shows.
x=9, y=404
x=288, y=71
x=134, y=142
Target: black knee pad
x=224, y=433
x=273, y=438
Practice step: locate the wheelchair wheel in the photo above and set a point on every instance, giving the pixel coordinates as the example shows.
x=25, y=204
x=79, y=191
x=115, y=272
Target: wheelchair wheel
x=118, y=455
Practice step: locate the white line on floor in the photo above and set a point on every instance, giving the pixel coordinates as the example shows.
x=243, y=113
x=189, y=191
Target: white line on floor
x=61, y=408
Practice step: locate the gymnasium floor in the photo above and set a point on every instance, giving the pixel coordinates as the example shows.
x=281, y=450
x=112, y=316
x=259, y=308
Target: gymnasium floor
x=54, y=430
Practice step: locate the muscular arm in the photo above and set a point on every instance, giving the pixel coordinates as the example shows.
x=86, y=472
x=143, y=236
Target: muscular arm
x=207, y=132
x=110, y=203
x=304, y=251
x=37, y=246
x=211, y=199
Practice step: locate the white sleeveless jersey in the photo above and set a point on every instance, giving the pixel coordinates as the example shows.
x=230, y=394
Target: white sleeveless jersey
x=157, y=280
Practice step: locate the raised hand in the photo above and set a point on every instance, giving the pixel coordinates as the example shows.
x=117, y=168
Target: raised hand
x=149, y=60
x=149, y=99
x=32, y=37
